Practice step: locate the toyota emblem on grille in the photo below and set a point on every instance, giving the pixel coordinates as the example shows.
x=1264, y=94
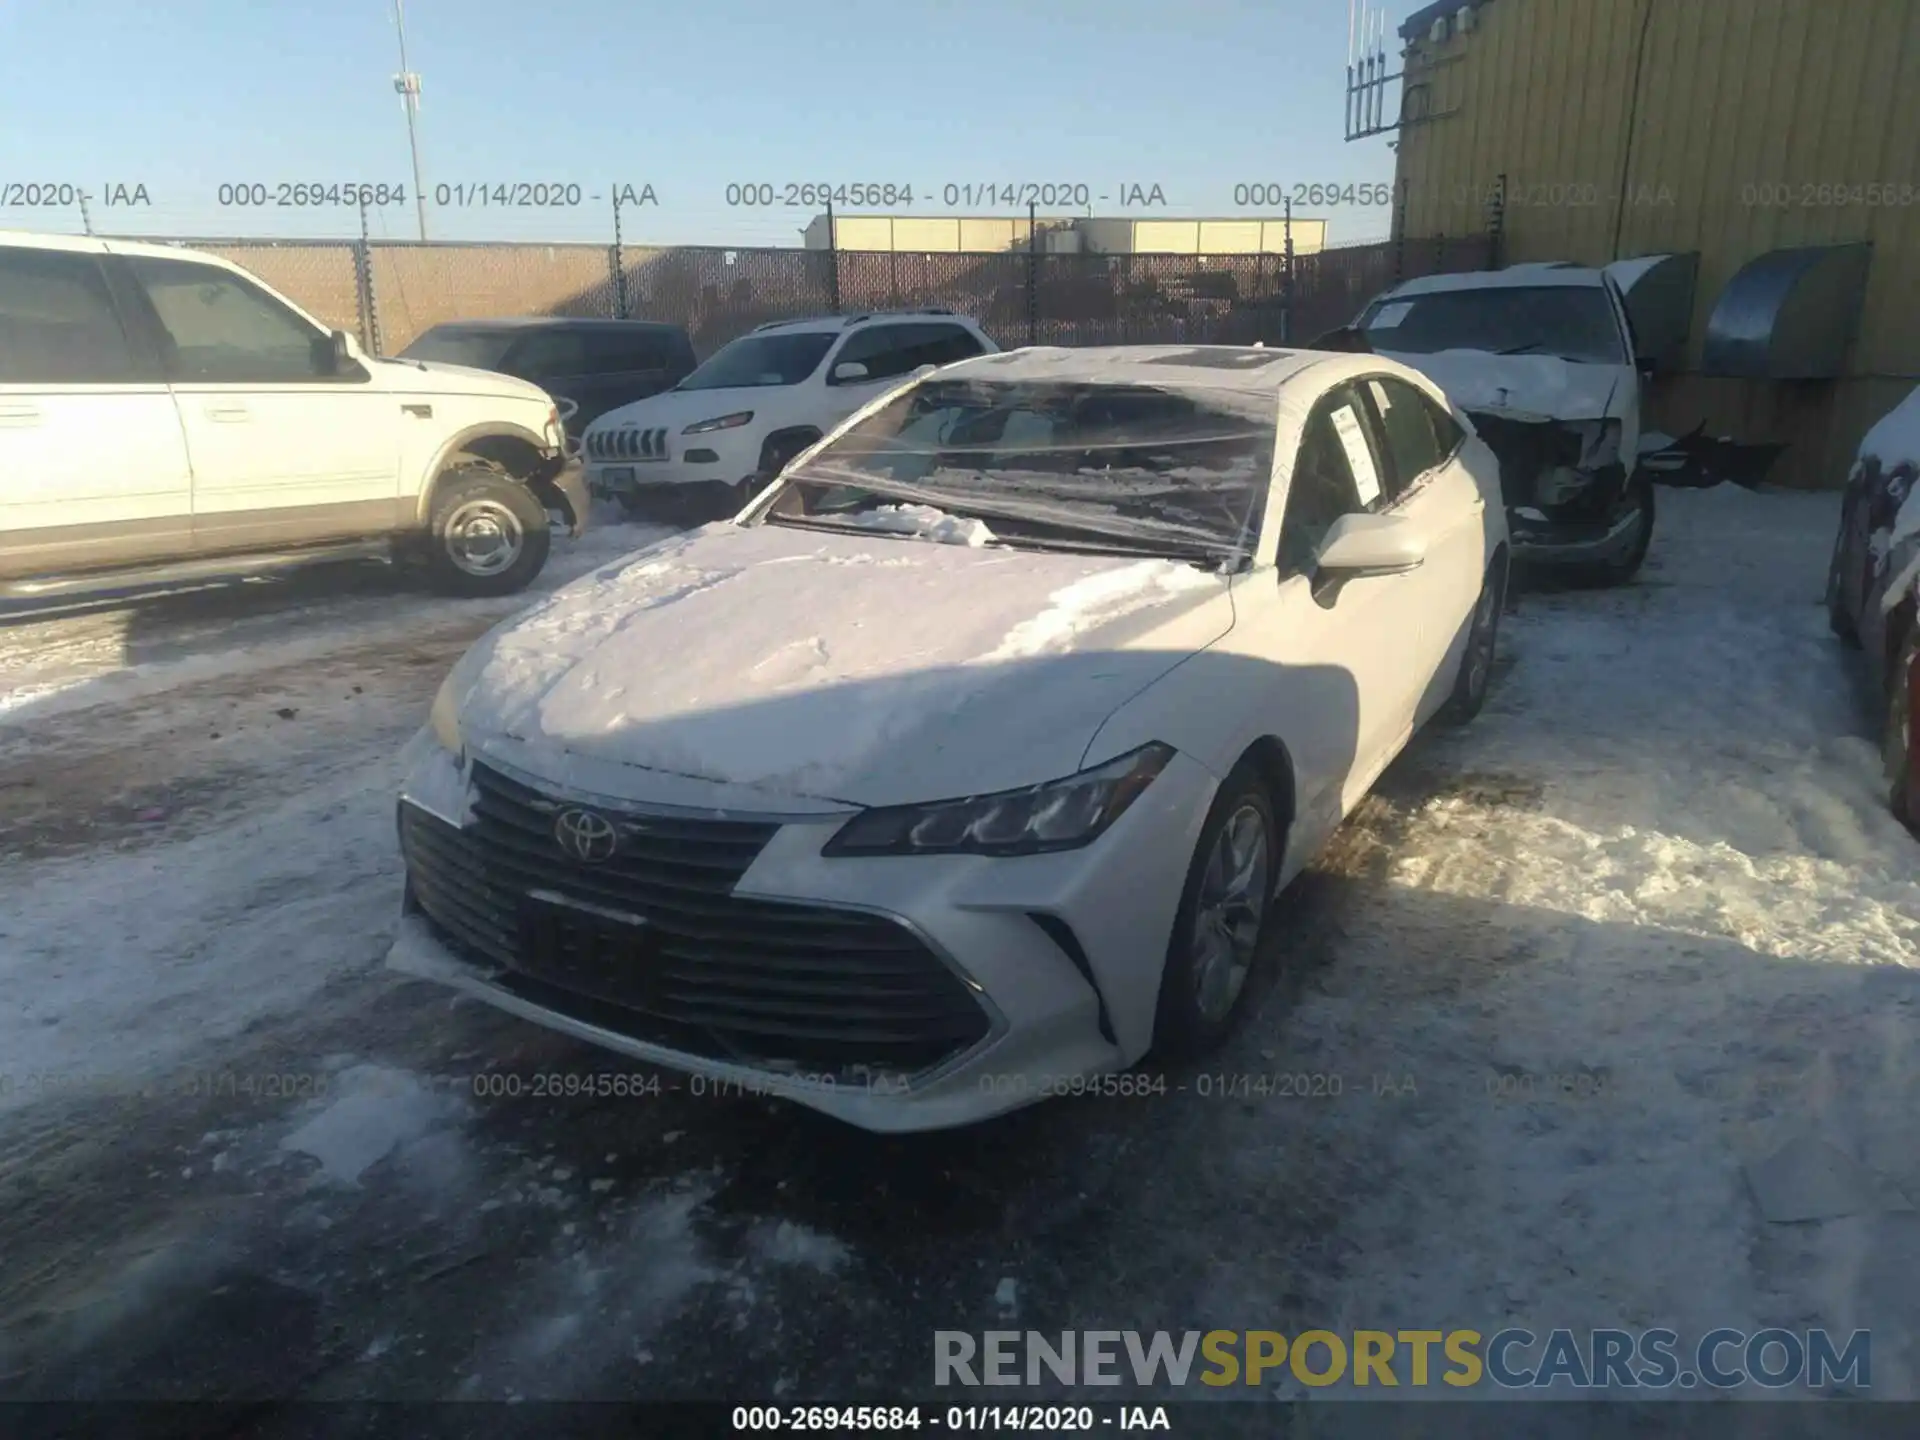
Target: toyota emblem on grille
x=588, y=837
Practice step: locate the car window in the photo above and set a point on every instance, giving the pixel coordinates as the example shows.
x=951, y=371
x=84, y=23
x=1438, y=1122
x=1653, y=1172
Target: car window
x=889, y=351
x=1323, y=487
x=625, y=350
x=762, y=360
x=945, y=344
x=220, y=328
x=457, y=345
x=1159, y=469
x=1446, y=429
x=549, y=352
x=1575, y=322
x=886, y=351
x=57, y=322
x=1406, y=423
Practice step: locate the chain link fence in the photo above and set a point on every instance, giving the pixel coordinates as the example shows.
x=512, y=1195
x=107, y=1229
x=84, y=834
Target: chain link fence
x=388, y=292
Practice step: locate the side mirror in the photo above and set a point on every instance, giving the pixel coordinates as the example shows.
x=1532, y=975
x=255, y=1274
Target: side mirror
x=332, y=352
x=1371, y=545
x=850, y=370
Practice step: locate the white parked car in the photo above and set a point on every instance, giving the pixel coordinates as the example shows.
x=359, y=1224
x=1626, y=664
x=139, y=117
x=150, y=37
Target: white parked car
x=1542, y=358
x=165, y=416
x=707, y=444
x=972, y=755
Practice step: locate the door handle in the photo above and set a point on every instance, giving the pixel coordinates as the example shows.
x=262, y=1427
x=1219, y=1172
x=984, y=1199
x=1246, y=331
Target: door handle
x=228, y=413
x=19, y=415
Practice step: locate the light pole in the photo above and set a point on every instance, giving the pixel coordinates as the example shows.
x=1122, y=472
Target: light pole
x=407, y=85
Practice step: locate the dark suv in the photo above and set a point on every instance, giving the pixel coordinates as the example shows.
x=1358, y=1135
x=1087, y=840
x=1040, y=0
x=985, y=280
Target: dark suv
x=599, y=365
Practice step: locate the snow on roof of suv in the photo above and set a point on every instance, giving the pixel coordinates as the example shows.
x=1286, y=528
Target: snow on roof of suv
x=1553, y=272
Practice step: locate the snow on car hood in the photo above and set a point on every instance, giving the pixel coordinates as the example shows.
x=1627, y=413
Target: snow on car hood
x=860, y=669
x=1536, y=386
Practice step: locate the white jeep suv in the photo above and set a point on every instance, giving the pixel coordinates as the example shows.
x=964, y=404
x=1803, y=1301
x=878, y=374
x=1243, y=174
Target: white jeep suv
x=166, y=417
x=707, y=445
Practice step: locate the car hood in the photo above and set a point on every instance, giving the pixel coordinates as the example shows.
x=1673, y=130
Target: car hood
x=435, y=377
x=1526, y=387
x=854, y=669
x=676, y=408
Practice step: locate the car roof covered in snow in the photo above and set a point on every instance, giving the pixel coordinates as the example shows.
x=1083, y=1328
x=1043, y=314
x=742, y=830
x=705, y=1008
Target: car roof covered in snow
x=1222, y=367
x=1513, y=277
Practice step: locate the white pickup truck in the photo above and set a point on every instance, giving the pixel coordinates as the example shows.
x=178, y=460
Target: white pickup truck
x=166, y=417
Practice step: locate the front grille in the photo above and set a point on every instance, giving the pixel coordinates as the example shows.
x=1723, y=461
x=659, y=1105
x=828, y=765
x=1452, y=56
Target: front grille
x=628, y=444
x=755, y=982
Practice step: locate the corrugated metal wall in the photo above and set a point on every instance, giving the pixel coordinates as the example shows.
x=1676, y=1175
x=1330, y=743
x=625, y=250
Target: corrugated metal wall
x=1753, y=125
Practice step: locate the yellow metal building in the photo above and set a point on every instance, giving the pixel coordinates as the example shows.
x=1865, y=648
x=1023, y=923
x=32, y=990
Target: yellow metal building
x=1092, y=235
x=1750, y=133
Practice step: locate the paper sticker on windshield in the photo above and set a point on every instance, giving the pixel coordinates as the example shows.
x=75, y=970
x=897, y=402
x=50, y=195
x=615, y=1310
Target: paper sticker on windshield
x=1390, y=315
x=1359, y=454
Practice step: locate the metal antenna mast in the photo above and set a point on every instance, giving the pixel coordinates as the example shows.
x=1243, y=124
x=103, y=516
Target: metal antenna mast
x=407, y=85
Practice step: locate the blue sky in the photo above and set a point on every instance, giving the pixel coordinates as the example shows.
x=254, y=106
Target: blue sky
x=184, y=95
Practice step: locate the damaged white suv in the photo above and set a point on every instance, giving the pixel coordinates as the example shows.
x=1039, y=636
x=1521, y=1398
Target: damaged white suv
x=1541, y=357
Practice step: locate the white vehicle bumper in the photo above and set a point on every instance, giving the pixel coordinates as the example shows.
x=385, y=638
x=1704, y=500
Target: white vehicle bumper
x=721, y=457
x=1045, y=1014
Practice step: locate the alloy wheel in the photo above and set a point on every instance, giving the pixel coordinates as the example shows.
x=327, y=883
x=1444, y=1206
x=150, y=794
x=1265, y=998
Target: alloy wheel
x=1234, y=890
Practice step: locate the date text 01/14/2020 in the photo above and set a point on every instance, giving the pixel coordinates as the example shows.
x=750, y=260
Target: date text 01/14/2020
x=1009, y=195
x=1041, y=1419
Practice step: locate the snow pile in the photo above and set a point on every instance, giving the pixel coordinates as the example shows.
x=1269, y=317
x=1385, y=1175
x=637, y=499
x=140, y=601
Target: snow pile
x=925, y=522
x=376, y=1110
x=1660, y=858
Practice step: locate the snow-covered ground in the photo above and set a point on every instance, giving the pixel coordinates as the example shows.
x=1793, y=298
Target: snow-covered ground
x=1657, y=864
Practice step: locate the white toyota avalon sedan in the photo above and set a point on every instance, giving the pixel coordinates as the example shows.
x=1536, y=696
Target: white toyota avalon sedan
x=965, y=762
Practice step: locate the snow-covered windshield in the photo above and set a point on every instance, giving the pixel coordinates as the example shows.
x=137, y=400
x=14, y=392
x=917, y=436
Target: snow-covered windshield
x=1179, y=472
x=755, y=360
x=1574, y=322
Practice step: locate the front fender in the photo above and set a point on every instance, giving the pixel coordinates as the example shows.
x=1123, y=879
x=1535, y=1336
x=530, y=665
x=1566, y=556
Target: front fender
x=543, y=455
x=565, y=489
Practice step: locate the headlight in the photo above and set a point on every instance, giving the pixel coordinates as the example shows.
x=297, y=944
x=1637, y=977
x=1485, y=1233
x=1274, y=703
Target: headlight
x=1059, y=815
x=444, y=718
x=724, y=422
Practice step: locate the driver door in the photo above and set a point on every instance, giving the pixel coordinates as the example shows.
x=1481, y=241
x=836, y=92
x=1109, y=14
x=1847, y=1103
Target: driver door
x=282, y=453
x=1344, y=655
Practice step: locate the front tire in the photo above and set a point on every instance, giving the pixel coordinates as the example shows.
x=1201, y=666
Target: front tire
x=1476, y=660
x=1896, y=741
x=1838, y=620
x=1222, y=919
x=487, y=533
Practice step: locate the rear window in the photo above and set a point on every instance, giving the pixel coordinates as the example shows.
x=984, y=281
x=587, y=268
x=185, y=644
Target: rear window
x=447, y=345
x=1574, y=322
x=624, y=350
